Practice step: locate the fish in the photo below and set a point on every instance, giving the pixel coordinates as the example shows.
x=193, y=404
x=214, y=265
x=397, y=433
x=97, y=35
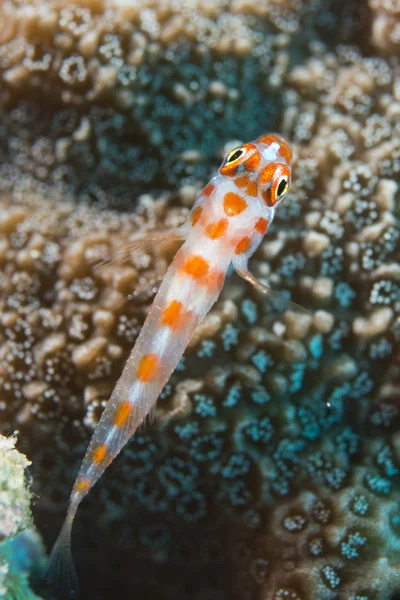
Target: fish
x=225, y=226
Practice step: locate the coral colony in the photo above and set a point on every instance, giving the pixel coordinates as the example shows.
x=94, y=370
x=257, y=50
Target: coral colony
x=272, y=467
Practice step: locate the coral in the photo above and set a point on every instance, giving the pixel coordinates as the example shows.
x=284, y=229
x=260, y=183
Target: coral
x=143, y=97
x=15, y=497
x=385, y=25
x=21, y=548
x=272, y=468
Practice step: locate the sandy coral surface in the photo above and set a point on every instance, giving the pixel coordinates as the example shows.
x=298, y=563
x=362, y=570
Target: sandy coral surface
x=272, y=468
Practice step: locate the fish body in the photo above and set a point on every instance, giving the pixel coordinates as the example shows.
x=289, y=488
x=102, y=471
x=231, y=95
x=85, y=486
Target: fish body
x=225, y=226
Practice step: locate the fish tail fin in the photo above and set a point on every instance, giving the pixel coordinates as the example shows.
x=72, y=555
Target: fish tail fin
x=61, y=574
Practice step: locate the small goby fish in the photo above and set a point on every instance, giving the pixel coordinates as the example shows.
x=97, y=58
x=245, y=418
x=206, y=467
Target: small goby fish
x=226, y=225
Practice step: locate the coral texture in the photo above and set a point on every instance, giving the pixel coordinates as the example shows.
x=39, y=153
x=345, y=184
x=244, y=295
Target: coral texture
x=272, y=468
x=386, y=25
x=15, y=497
x=20, y=546
x=144, y=94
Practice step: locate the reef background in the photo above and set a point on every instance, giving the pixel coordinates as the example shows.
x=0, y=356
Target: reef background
x=272, y=468
x=21, y=549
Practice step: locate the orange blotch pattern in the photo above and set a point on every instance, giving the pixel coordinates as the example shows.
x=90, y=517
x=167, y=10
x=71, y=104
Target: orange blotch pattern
x=171, y=315
x=217, y=230
x=196, y=214
x=284, y=148
x=83, y=486
x=229, y=169
x=286, y=152
x=243, y=245
x=148, y=367
x=242, y=182
x=122, y=414
x=195, y=266
x=261, y=226
x=252, y=189
x=267, y=176
x=216, y=281
x=268, y=172
x=269, y=197
x=269, y=138
x=253, y=162
x=100, y=453
x=208, y=190
x=234, y=204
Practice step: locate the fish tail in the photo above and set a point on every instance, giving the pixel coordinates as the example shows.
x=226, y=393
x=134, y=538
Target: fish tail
x=181, y=302
x=61, y=574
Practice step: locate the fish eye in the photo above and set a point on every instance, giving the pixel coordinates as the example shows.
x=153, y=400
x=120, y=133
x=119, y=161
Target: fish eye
x=282, y=187
x=234, y=155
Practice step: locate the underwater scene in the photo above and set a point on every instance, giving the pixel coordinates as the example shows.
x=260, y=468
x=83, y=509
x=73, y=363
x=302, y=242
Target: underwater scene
x=268, y=468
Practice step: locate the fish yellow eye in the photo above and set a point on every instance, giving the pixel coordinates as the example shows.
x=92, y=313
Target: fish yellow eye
x=244, y=158
x=282, y=187
x=234, y=155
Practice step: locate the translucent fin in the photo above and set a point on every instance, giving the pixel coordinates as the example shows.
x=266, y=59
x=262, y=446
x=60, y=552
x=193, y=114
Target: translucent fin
x=278, y=300
x=61, y=575
x=152, y=415
x=141, y=245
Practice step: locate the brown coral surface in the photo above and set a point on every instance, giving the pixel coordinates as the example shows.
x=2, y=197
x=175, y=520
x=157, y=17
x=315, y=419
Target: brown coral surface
x=272, y=468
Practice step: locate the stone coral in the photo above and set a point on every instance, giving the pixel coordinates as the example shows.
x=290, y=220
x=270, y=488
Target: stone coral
x=20, y=546
x=386, y=25
x=272, y=469
x=15, y=497
x=143, y=96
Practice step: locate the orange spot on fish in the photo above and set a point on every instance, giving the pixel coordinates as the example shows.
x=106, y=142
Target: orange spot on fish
x=268, y=173
x=268, y=139
x=252, y=189
x=243, y=245
x=196, y=214
x=267, y=176
x=148, y=367
x=122, y=414
x=208, y=190
x=242, y=182
x=100, y=453
x=261, y=226
x=253, y=162
x=229, y=169
x=234, y=204
x=286, y=152
x=82, y=486
x=284, y=149
x=216, y=281
x=268, y=197
x=196, y=266
x=171, y=315
x=216, y=230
